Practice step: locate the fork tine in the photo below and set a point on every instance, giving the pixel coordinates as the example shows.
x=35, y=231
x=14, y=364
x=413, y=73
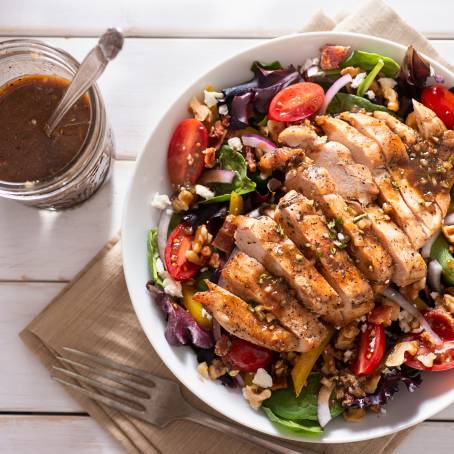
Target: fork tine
x=112, y=364
x=103, y=399
x=98, y=384
x=145, y=390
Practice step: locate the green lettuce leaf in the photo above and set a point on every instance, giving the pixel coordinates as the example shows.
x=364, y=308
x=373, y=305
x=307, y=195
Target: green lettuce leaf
x=230, y=159
x=268, y=66
x=345, y=102
x=285, y=404
x=302, y=427
x=368, y=60
x=153, y=255
x=440, y=253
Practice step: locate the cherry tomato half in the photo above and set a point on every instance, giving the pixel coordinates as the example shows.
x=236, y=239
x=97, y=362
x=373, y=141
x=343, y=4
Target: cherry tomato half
x=441, y=101
x=177, y=264
x=296, y=102
x=248, y=357
x=442, y=324
x=185, y=160
x=370, y=351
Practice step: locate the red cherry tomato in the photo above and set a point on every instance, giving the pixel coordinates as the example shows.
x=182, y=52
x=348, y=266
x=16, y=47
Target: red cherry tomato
x=370, y=351
x=441, y=101
x=177, y=264
x=248, y=357
x=296, y=102
x=185, y=160
x=443, y=325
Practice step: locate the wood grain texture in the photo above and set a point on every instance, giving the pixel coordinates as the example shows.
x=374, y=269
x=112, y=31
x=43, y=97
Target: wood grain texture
x=201, y=18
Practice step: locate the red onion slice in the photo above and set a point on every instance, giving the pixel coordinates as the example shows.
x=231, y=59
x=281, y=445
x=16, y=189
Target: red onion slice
x=425, y=251
x=217, y=176
x=256, y=141
x=332, y=91
x=163, y=228
x=434, y=275
x=449, y=219
x=239, y=379
x=323, y=411
x=407, y=306
x=274, y=184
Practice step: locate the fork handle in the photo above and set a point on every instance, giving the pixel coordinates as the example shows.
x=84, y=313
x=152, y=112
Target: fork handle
x=232, y=429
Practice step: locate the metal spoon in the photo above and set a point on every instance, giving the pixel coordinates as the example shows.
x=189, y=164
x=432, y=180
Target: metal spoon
x=90, y=69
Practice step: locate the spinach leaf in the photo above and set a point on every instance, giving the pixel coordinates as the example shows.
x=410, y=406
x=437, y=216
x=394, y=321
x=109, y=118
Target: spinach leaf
x=285, y=404
x=368, y=60
x=153, y=255
x=345, y=102
x=230, y=159
x=302, y=427
x=268, y=66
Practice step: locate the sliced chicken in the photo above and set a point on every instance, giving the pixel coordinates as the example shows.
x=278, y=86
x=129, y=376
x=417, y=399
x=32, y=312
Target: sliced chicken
x=391, y=145
x=263, y=239
x=370, y=256
x=279, y=158
x=408, y=135
x=303, y=136
x=409, y=266
x=234, y=315
x=429, y=125
x=353, y=181
x=308, y=230
x=398, y=209
x=246, y=277
x=364, y=150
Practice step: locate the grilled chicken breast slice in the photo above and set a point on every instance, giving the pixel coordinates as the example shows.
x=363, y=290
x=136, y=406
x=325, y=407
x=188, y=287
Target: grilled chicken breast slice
x=264, y=240
x=429, y=125
x=368, y=253
x=391, y=145
x=408, y=135
x=308, y=230
x=303, y=136
x=234, y=316
x=409, y=266
x=399, y=210
x=364, y=150
x=247, y=278
x=353, y=181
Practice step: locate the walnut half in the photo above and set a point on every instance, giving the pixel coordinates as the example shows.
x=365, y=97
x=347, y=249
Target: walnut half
x=255, y=395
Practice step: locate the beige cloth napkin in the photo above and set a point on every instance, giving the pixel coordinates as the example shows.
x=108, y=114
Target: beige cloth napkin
x=94, y=313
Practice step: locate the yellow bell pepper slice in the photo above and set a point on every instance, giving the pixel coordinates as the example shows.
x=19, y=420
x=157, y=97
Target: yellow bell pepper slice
x=236, y=204
x=195, y=308
x=305, y=363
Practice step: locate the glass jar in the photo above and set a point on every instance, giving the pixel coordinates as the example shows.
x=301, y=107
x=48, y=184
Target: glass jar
x=87, y=172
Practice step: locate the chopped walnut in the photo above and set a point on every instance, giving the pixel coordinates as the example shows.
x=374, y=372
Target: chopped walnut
x=202, y=369
x=222, y=346
x=217, y=133
x=329, y=365
x=387, y=85
x=346, y=337
x=447, y=303
x=255, y=395
x=411, y=291
x=354, y=414
x=382, y=314
x=448, y=232
x=371, y=383
x=209, y=157
x=201, y=111
x=217, y=369
x=183, y=200
x=397, y=355
x=352, y=70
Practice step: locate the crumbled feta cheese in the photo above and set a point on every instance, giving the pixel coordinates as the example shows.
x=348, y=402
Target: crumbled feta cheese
x=387, y=82
x=347, y=355
x=235, y=143
x=310, y=62
x=263, y=379
x=206, y=314
x=160, y=201
x=341, y=236
x=211, y=97
x=159, y=266
x=171, y=287
x=434, y=295
x=223, y=109
x=203, y=191
x=363, y=328
x=358, y=79
x=404, y=321
x=370, y=94
x=427, y=360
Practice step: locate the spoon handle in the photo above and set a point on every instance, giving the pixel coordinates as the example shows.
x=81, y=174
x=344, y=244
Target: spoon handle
x=90, y=69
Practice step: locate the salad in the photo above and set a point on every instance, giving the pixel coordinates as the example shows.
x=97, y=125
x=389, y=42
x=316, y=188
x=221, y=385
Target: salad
x=305, y=254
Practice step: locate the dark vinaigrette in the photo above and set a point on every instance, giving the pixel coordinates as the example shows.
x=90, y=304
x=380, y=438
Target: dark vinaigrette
x=26, y=153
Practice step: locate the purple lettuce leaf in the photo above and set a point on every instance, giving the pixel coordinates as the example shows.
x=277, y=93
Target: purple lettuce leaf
x=388, y=387
x=181, y=328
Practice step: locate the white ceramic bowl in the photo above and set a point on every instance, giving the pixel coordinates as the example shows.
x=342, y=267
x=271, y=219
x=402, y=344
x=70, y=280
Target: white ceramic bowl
x=407, y=409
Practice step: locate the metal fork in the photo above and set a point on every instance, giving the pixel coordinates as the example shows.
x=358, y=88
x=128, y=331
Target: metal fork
x=148, y=397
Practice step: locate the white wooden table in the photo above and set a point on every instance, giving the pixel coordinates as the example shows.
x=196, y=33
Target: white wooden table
x=169, y=43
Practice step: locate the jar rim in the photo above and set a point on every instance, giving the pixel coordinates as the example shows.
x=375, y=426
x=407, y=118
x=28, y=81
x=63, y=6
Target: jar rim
x=95, y=132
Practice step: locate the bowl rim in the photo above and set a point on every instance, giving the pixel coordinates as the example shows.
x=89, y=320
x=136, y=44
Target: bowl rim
x=174, y=368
